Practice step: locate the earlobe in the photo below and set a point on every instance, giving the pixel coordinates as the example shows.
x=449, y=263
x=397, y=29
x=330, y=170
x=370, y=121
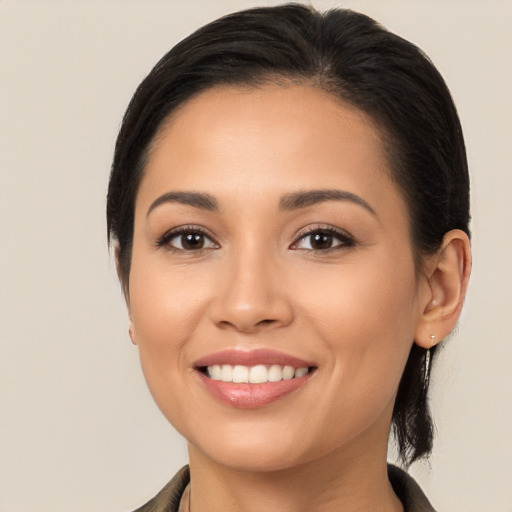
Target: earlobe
x=131, y=334
x=448, y=276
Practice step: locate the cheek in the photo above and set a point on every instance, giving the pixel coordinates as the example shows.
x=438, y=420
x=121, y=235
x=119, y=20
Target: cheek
x=374, y=303
x=366, y=321
x=165, y=310
x=165, y=302
x=166, y=307
x=365, y=326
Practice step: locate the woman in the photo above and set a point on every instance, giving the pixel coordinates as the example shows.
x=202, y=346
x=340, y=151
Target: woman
x=289, y=206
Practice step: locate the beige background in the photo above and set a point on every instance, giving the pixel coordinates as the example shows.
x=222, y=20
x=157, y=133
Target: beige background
x=78, y=430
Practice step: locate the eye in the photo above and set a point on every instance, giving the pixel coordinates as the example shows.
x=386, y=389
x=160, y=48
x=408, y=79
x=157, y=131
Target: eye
x=323, y=239
x=187, y=239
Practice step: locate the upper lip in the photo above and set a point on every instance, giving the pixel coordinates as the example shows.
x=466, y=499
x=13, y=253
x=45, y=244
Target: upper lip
x=252, y=358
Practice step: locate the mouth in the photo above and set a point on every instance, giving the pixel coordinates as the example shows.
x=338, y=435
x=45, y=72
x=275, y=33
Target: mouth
x=257, y=374
x=252, y=379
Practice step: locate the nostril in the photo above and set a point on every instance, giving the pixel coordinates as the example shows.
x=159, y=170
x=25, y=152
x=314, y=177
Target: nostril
x=265, y=322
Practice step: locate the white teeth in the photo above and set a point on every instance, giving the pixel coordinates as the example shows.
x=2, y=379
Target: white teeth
x=226, y=374
x=254, y=374
x=300, y=372
x=288, y=372
x=258, y=374
x=275, y=373
x=214, y=372
x=240, y=374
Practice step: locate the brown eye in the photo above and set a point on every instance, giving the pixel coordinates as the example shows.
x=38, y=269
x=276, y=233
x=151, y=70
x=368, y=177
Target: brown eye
x=188, y=241
x=320, y=241
x=192, y=241
x=323, y=240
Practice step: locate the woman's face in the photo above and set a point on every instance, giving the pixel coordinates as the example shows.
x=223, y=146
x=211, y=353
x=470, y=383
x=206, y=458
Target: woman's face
x=269, y=237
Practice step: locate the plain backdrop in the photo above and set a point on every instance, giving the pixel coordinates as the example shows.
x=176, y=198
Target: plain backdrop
x=78, y=430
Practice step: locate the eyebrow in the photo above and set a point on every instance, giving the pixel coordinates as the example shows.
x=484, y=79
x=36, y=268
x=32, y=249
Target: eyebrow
x=196, y=199
x=297, y=200
x=288, y=202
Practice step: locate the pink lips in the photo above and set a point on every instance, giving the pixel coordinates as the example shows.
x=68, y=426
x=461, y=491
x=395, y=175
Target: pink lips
x=251, y=396
x=252, y=358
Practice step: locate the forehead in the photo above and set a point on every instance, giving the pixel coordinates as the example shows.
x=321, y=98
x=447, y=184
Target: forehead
x=228, y=141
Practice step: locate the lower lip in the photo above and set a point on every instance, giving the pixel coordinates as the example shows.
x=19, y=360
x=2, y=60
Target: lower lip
x=251, y=396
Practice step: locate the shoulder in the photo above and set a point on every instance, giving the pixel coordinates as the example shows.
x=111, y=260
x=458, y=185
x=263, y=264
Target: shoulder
x=168, y=499
x=408, y=491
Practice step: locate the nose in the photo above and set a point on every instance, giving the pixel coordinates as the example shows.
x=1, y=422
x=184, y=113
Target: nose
x=252, y=296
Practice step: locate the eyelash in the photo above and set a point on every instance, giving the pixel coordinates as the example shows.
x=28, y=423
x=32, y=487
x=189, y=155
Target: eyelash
x=341, y=235
x=165, y=239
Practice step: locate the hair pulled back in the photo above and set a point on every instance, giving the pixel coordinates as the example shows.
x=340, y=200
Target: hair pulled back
x=346, y=54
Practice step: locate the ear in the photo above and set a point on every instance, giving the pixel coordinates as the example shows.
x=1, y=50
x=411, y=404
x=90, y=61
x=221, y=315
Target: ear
x=131, y=333
x=124, y=286
x=447, y=274
x=122, y=280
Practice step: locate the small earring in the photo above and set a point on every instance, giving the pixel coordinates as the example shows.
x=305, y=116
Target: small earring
x=426, y=376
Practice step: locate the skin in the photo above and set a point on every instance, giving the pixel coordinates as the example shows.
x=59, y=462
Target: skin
x=354, y=309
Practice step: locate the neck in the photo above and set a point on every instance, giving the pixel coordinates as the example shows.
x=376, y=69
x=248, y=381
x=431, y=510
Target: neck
x=332, y=483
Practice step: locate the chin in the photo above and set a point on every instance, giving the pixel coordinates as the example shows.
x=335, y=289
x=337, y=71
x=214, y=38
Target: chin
x=257, y=446
x=247, y=457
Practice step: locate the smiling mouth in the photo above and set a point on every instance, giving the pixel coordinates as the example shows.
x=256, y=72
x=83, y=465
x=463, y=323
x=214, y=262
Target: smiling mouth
x=257, y=374
x=250, y=379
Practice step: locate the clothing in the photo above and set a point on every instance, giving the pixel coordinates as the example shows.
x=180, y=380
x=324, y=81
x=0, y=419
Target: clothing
x=407, y=490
